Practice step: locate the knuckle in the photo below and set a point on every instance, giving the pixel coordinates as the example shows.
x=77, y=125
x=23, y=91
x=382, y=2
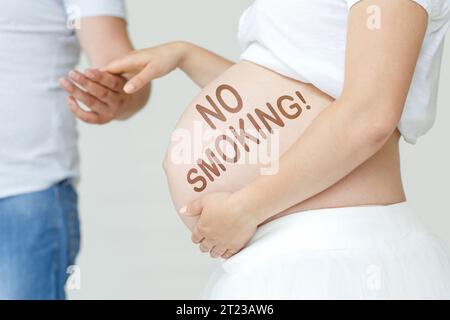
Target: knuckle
x=89, y=101
x=115, y=82
x=82, y=80
x=195, y=238
x=95, y=75
x=120, y=101
x=202, y=229
x=103, y=93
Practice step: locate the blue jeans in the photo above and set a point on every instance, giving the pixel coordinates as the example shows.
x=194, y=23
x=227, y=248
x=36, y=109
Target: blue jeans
x=39, y=240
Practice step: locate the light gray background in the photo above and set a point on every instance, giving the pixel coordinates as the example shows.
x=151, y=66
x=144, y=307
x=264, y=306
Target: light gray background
x=134, y=246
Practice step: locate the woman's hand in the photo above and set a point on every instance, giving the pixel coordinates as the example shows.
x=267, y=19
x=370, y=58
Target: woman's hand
x=223, y=229
x=142, y=66
x=100, y=91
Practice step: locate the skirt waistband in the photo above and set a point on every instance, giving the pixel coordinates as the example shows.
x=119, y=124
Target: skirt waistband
x=332, y=229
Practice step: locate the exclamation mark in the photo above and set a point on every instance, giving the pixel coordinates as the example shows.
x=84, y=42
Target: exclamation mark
x=303, y=99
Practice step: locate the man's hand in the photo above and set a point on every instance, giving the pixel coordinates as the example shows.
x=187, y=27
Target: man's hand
x=222, y=230
x=100, y=91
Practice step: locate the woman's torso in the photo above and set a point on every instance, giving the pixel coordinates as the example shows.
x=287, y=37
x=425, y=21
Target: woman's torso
x=217, y=145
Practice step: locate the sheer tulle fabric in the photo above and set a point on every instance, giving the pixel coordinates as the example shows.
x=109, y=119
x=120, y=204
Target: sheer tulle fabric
x=363, y=252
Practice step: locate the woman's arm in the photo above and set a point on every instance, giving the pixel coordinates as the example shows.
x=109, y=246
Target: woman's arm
x=201, y=65
x=379, y=67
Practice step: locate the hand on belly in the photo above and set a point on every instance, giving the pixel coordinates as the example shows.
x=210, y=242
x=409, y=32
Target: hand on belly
x=236, y=129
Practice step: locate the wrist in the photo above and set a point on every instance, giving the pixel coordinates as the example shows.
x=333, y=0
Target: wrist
x=247, y=207
x=183, y=49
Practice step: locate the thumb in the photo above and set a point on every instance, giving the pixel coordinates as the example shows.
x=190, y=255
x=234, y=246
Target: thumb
x=193, y=209
x=140, y=80
x=120, y=66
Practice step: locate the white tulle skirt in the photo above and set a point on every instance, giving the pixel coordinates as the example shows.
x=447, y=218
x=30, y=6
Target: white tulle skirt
x=362, y=252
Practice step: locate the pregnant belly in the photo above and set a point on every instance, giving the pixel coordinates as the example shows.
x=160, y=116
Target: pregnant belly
x=236, y=129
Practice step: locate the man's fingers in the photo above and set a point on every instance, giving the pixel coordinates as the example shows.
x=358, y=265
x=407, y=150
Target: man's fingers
x=88, y=117
x=111, y=81
x=141, y=79
x=102, y=93
x=89, y=100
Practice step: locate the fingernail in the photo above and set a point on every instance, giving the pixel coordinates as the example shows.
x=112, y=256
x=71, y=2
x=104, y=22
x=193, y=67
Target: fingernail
x=183, y=210
x=129, y=88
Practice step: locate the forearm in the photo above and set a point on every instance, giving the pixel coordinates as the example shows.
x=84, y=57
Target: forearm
x=338, y=141
x=201, y=65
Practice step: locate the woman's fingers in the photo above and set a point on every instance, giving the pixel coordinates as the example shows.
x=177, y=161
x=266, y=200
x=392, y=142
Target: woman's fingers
x=141, y=79
x=192, y=209
x=137, y=64
x=111, y=81
x=206, y=246
x=217, y=252
x=228, y=254
x=197, y=237
x=89, y=100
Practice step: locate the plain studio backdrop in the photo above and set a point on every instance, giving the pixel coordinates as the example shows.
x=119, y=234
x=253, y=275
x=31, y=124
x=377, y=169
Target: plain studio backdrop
x=133, y=244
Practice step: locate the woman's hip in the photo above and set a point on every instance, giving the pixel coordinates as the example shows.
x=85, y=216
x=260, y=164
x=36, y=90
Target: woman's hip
x=338, y=253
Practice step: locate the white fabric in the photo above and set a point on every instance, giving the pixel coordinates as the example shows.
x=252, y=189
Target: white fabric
x=305, y=40
x=37, y=131
x=361, y=252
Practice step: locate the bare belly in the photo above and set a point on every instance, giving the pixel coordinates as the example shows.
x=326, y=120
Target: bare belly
x=239, y=125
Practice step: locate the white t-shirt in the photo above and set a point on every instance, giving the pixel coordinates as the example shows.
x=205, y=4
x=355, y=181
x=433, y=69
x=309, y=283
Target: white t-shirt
x=306, y=40
x=38, y=137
